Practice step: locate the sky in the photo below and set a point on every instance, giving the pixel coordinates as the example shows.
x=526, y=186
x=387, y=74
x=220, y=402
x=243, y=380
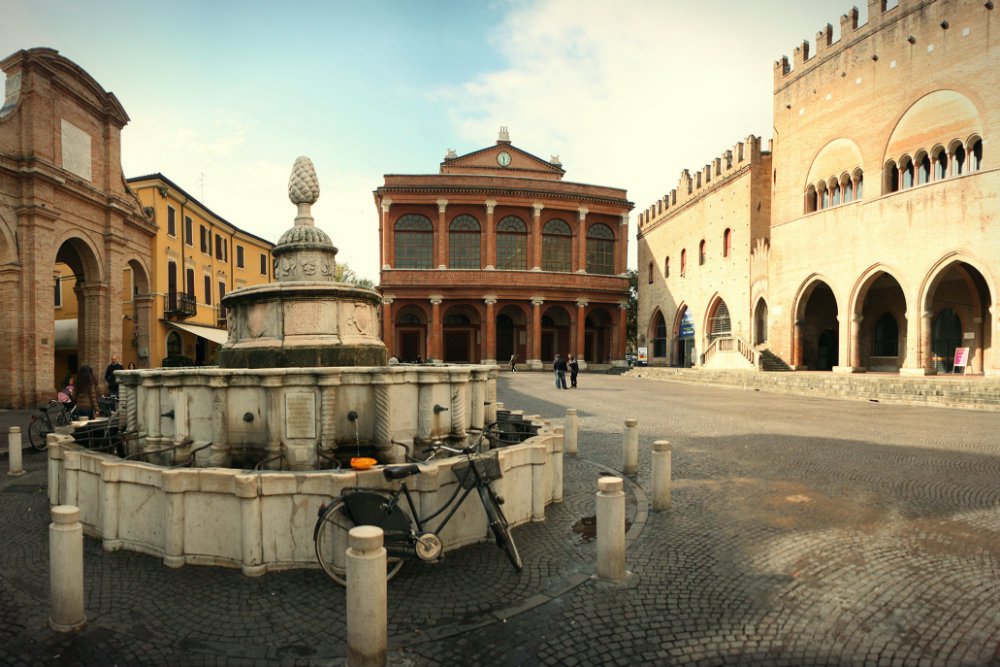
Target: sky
x=223, y=96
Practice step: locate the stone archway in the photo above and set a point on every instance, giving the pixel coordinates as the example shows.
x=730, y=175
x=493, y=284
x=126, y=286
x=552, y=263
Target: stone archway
x=556, y=333
x=879, y=325
x=461, y=327
x=961, y=288
x=817, y=335
x=683, y=352
x=598, y=343
x=137, y=319
x=410, y=334
x=511, y=334
x=657, y=337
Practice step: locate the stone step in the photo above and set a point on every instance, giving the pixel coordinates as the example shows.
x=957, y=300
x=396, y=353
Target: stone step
x=974, y=392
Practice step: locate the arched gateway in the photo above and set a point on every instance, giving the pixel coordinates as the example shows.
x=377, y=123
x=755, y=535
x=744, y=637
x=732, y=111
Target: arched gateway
x=75, y=211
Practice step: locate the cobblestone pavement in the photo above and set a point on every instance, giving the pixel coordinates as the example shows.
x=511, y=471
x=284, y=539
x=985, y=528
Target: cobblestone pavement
x=803, y=531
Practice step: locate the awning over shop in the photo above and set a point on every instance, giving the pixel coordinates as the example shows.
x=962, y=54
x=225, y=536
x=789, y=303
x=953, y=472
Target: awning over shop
x=219, y=336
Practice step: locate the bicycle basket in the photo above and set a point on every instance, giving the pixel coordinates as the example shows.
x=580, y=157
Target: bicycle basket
x=488, y=468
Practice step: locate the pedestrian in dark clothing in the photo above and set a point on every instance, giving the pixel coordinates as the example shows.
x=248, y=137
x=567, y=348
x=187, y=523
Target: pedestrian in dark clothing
x=574, y=370
x=513, y=363
x=109, y=375
x=559, y=365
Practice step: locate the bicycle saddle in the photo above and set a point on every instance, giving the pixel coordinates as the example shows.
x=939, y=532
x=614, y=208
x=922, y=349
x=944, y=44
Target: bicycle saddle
x=401, y=471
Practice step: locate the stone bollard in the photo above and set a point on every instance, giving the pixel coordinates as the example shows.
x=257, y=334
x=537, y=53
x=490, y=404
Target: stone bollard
x=66, y=569
x=572, y=430
x=610, y=529
x=662, y=463
x=14, y=452
x=630, y=466
x=367, y=598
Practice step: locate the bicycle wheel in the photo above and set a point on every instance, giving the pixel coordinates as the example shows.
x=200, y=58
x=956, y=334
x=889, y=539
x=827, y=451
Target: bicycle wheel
x=499, y=526
x=330, y=541
x=37, y=432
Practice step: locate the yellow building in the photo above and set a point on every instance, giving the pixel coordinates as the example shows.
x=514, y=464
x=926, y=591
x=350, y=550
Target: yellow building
x=198, y=257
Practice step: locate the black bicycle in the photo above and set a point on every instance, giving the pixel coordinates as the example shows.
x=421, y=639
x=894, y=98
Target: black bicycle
x=407, y=535
x=51, y=415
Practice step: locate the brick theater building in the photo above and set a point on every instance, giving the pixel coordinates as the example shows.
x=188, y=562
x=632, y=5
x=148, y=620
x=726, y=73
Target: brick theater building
x=496, y=255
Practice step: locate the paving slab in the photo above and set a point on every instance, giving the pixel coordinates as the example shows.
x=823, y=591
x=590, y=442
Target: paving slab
x=803, y=531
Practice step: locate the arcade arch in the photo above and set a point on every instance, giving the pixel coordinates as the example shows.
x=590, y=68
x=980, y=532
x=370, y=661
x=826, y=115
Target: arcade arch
x=556, y=332
x=657, y=336
x=598, y=332
x=461, y=325
x=816, y=343
x=878, y=326
x=682, y=353
x=957, y=309
x=511, y=333
x=411, y=334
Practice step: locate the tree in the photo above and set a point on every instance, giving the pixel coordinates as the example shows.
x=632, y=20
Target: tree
x=345, y=274
x=632, y=327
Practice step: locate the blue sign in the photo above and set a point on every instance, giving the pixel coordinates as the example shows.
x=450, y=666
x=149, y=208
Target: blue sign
x=687, y=326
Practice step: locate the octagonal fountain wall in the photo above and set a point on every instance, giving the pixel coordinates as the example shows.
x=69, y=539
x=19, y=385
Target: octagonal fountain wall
x=229, y=465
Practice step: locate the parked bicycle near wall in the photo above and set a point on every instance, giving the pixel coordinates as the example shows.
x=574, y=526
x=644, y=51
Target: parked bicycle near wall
x=54, y=413
x=407, y=535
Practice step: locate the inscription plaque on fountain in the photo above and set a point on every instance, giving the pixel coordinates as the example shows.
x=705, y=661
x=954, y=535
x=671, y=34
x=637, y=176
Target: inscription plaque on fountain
x=300, y=415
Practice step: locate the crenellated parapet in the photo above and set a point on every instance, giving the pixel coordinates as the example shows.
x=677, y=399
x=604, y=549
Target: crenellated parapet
x=691, y=187
x=881, y=15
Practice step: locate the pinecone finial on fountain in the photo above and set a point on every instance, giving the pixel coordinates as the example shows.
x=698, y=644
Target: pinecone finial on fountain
x=303, y=189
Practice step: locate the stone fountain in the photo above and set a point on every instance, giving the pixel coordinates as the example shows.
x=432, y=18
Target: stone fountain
x=229, y=464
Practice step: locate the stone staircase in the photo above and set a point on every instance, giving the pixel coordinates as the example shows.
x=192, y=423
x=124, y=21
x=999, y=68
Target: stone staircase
x=771, y=362
x=969, y=392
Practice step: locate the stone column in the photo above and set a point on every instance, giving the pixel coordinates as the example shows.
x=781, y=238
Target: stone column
x=489, y=240
x=491, y=405
x=610, y=529
x=14, y=452
x=630, y=447
x=621, y=344
x=913, y=364
x=490, y=331
x=580, y=263
x=572, y=432
x=477, y=398
x=367, y=598
x=388, y=237
x=581, y=331
x=535, y=263
x=434, y=346
x=441, y=238
x=621, y=257
x=662, y=464
x=855, y=343
x=66, y=569
x=382, y=428
x=144, y=324
x=536, y=333
x=797, y=344
x=388, y=327
x=926, y=353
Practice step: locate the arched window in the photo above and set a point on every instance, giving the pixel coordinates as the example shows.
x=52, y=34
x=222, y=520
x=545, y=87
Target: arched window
x=701, y=253
x=885, y=342
x=719, y=323
x=760, y=323
x=414, y=242
x=859, y=184
x=512, y=244
x=649, y=278
x=727, y=242
x=811, y=199
x=557, y=246
x=940, y=164
x=659, y=336
x=463, y=243
x=923, y=168
x=666, y=267
x=684, y=261
x=409, y=318
x=957, y=160
x=906, y=173
x=976, y=154
x=847, y=185
x=600, y=250
x=835, y=193
x=891, y=177
x=824, y=196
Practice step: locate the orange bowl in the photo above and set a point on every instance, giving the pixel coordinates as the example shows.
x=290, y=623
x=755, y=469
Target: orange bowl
x=362, y=462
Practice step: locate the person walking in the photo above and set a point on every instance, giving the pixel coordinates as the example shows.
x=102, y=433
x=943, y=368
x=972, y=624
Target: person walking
x=86, y=393
x=574, y=370
x=109, y=375
x=559, y=366
x=513, y=363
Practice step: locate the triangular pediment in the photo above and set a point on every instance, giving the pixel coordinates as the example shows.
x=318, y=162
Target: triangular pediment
x=503, y=159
